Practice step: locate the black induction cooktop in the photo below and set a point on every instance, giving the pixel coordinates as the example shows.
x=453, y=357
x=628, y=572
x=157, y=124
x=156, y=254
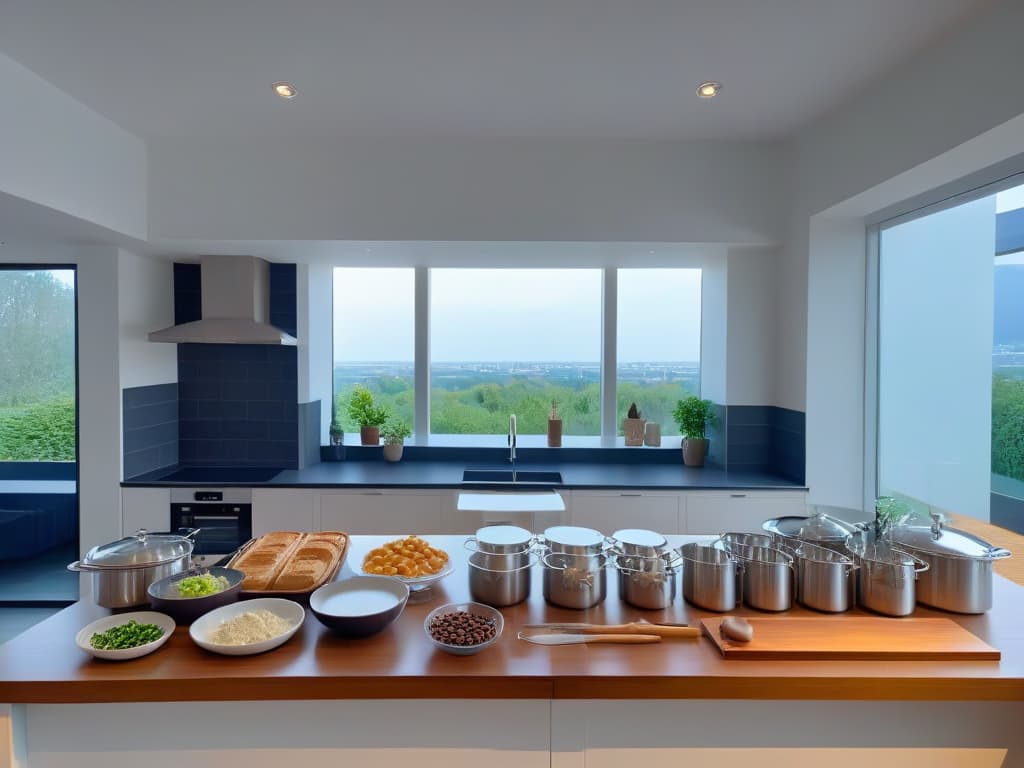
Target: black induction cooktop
x=221, y=475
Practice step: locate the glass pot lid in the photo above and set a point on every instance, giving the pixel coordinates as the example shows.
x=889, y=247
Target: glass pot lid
x=140, y=550
x=936, y=539
x=817, y=527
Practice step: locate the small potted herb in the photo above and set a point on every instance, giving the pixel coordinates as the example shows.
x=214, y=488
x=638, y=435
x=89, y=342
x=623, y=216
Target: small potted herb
x=633, y=426
x=335, y=431
x=554, y=426
x=394, y=433
x=693, y=415
x=369, y=417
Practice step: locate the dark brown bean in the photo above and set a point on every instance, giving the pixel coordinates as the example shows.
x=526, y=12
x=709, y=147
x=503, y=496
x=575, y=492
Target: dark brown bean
x=461, y=628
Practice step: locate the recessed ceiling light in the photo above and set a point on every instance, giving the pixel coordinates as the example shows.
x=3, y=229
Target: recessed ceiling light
x=709, y=89
x=285, y=90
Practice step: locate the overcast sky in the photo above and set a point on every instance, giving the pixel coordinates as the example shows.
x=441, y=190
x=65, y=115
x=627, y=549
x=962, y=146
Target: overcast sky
x=517, y=315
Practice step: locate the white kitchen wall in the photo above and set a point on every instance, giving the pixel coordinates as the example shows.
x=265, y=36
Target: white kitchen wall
x=57, y=152
x=314, y=307
x=509, y=189
x=145, y=303
x=925, y=125
x=752, y=326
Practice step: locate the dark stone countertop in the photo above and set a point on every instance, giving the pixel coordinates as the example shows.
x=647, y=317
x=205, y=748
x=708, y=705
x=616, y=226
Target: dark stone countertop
x=448, y=474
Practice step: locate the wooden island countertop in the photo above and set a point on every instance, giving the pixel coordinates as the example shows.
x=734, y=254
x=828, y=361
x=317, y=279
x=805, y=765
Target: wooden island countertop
x=43, y=665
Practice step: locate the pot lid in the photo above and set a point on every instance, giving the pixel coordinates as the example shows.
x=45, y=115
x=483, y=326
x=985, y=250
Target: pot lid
x=818, y=527
x=141, y=549
x=504, y=536
x=640, y=537
x=936, y=539
x=573, y=536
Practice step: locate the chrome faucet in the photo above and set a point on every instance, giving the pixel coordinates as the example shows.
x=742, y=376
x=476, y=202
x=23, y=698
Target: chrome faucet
x=512, y=444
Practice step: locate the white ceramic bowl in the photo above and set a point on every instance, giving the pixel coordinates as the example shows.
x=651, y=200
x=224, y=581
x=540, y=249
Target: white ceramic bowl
x=162, y=620
x=203, y=627
x=478, y=609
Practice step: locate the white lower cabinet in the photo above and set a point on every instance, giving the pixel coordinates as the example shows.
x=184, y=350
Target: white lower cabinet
x=713, y=512
x=148, y=508
x=284, y=509
x=609, y=511
x=382, y=511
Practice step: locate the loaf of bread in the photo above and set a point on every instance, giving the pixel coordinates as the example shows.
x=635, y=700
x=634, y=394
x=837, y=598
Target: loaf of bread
x=289, y=561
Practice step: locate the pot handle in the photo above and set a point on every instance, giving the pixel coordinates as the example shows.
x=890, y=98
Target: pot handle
x=76, y=566
x=999, y=554
x=466, y=544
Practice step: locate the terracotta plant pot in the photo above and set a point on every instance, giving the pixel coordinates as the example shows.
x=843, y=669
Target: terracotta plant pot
x=633, y=430
x=694, y=451
x=369, y=435
x=393, y=452
x=554, y=433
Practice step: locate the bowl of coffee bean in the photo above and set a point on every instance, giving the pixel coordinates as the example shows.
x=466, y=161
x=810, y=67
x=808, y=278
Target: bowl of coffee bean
x=463, y=629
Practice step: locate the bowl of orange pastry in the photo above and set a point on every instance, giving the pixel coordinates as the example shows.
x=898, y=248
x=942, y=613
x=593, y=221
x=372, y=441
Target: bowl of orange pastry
x=411, y=559
x=290, y=562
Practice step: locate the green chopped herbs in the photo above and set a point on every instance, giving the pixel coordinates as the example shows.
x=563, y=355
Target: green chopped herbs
x=130, y=635
x=203, y=585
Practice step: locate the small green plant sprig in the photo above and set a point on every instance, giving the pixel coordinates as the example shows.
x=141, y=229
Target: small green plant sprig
x=362, y=411
x=394, y=432
x=693, y=416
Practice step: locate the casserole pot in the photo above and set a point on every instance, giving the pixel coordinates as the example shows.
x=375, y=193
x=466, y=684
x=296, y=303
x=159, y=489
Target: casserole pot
x=710, y=576
x=573, y=540
x=123, y=570
x=959, y=577
x=574, y=581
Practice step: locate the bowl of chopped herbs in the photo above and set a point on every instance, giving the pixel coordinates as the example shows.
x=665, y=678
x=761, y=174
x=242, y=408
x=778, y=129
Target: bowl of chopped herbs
x=188, y=595
x=125, y=636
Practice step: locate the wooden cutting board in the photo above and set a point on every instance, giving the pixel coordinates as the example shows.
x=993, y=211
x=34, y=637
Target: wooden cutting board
x=853, y=638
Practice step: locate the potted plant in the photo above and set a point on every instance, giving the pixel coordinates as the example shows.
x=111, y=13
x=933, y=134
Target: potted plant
x=693, y=415
x=633, y=426
x=554, y=427
x=394, y=434
x=369, y=417
x=335, y=431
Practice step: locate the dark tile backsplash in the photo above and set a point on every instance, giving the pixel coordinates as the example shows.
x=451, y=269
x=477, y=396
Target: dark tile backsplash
x=149, y=428
x=283, y=286
x=765, y=438
x=238, y=405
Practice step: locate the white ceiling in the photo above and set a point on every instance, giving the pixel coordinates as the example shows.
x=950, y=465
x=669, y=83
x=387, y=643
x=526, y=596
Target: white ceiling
x=528, y=68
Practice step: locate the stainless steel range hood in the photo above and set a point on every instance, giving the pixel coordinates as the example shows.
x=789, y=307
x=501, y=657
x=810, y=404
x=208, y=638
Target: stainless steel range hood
x=236, y=302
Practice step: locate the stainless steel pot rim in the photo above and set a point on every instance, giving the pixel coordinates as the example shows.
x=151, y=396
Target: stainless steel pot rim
x=78, y=565
x=750, y=553
x=474, y=546
x=640, y=538
x=693, y=550
x=140, y=550
x=504, y=536
x=669, y=565
x=806, y=550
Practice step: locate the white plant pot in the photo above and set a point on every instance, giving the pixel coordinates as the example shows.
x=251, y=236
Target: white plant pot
x=393, y=452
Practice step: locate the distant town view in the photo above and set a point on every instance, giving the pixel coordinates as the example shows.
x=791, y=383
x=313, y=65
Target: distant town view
x=477, y=397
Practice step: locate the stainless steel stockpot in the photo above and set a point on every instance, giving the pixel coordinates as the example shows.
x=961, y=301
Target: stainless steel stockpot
x=501, y=547
x=648, y=583
x=123, y=570
x=824, y=578
x=820, y=528
x=886, y=577
x=768, y=577
x=709, y=576
x=573, y=540
x=498, y=587
x=575, y=581
x=959, y=576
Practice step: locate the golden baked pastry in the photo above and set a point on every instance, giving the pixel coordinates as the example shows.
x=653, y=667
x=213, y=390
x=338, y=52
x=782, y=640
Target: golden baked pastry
x=289, y=561
x=410, y=557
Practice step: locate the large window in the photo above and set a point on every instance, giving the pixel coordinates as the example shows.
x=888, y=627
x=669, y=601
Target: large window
x=658, y=342
x=37, y=365
x=374, y=339
x=506, y=341
x=472, y=346
x=951, y=359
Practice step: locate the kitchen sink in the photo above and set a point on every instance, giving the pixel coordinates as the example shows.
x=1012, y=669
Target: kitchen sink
x=522, y=476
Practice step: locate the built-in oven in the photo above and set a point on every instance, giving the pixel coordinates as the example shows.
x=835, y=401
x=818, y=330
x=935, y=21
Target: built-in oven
x=222, y=515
